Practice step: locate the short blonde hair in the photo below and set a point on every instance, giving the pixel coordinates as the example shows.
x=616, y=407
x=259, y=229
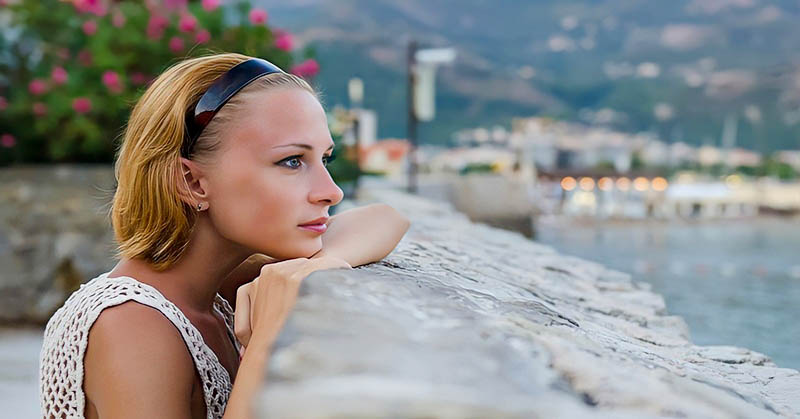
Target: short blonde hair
x=151, y=220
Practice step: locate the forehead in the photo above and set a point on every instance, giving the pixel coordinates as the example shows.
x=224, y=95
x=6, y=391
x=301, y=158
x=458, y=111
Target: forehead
x=279, y=116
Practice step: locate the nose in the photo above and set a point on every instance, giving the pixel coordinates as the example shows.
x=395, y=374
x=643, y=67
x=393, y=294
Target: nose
x=324, y=190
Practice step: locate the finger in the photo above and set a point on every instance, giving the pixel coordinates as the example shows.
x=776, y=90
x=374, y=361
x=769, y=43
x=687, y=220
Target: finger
x=331, y=263
x=241, y=318
x=319, y=265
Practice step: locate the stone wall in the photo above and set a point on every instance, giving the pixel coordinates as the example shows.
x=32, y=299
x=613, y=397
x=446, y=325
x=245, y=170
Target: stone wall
x=54, y=235
x=461, y=320
x=464, y=320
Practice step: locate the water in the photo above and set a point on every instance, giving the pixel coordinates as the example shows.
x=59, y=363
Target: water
x=735, y=282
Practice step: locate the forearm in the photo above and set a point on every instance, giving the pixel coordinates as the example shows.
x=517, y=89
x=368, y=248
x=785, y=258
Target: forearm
x=250, y=378
x=364, y=235
x=358, y=236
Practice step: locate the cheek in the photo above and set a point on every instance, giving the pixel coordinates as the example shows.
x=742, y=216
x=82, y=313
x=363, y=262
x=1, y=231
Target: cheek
x=252, y=203
x=261, y=212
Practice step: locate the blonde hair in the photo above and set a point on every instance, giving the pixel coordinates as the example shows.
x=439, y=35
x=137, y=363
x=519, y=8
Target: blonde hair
x=150, y=214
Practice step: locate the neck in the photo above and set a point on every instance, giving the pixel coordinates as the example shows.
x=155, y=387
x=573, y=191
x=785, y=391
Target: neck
x=194, y=281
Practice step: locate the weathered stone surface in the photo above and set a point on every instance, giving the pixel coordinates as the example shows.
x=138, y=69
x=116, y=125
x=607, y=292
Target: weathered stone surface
x=463, y=320
x=54, y=235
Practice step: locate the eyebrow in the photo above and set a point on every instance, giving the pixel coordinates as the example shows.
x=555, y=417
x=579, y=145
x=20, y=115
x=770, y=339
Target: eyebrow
x=306, y=146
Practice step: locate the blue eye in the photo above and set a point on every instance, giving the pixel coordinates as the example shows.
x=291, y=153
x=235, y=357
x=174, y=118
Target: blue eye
x=296, y=162
x=292, y=162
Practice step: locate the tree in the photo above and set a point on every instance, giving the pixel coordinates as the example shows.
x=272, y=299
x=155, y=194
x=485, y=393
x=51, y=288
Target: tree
x=70, y=70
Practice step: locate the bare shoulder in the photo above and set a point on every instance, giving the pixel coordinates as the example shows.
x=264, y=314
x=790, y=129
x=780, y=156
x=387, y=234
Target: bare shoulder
x=136, y=357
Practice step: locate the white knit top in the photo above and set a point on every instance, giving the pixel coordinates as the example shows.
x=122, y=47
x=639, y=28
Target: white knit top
x=67, y=336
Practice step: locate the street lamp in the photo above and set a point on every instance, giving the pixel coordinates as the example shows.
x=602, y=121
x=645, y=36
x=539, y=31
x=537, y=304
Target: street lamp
x=355, y=91
x=422, y=65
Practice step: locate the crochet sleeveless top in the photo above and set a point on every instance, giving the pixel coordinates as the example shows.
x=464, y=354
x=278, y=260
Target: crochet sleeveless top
x=67, y=336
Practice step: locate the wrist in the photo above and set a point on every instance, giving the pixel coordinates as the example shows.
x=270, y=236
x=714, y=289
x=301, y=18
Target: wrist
x=320, y=253
x=261, y=341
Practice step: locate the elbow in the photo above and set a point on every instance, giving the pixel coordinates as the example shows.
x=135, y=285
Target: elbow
x=395, y=227
x=405, y=223
x=394, y=218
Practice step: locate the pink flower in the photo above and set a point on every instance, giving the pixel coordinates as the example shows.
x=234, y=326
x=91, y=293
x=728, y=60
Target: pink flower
x=118, y=19
x=89, y=27
x=37, y=87
x=58, y=75
x=258, y=16
x=284, y=42
x=7, y=140
x=100, y=10
x=3, y=103
x=188, y=23
x=138, y=78
x=202, y=37
x=39, y=109
x=85, y=57
x=210, y=5
x=176, y=44
x=156, y=26
x=81, y=105
x=110, y=78
x=96, y=7
x=112, y=82
x=308, y=68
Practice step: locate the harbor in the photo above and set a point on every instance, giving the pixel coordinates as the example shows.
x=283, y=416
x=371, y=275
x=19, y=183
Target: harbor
x=733, y=282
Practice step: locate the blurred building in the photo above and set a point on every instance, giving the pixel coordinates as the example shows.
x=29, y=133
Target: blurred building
x=741, y=157
x=388, y=157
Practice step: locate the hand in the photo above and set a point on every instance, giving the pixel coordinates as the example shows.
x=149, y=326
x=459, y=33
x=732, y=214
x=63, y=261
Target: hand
x=263, y=305
x=365, y=234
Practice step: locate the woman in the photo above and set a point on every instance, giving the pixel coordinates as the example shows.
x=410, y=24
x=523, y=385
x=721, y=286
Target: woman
x=221, y=179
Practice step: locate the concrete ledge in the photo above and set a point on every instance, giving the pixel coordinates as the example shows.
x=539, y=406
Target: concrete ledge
x=464, y=320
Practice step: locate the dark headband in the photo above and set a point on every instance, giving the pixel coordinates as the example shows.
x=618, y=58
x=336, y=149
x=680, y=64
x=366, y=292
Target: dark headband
x=230, y=83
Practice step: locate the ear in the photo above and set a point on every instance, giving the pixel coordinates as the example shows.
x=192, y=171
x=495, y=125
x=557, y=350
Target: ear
x=190, y=183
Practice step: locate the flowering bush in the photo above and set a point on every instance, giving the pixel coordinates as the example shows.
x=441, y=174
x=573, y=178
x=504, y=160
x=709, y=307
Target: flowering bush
x=70, y=70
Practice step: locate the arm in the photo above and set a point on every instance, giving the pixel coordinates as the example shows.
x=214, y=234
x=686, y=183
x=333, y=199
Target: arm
x=363, y=235
x=137, y=365
x=265, y=304
x=359, y=236
x=251, y=376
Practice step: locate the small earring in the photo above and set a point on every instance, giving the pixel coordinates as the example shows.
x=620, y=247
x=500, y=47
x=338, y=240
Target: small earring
x=200, y=206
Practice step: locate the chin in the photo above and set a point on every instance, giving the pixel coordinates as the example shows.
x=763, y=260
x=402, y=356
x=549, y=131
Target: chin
x=300, y=249
x=312, y=248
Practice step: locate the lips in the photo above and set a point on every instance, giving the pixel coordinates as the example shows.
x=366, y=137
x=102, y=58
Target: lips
x=320, y=220
x=318, y=226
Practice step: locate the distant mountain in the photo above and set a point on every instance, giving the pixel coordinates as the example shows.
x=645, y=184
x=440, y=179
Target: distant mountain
x=678, y=68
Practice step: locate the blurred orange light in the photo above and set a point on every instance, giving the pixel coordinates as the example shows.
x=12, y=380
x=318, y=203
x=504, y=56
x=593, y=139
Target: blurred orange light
x=605, y=183
x=641, y=184
x=623, y=184
x=587, y=184
x=568, y=183
x=660, y=184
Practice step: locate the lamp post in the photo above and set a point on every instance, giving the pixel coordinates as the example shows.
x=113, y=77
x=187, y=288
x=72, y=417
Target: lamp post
x=355, y=92
x=422, y=65
x=412, y=119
